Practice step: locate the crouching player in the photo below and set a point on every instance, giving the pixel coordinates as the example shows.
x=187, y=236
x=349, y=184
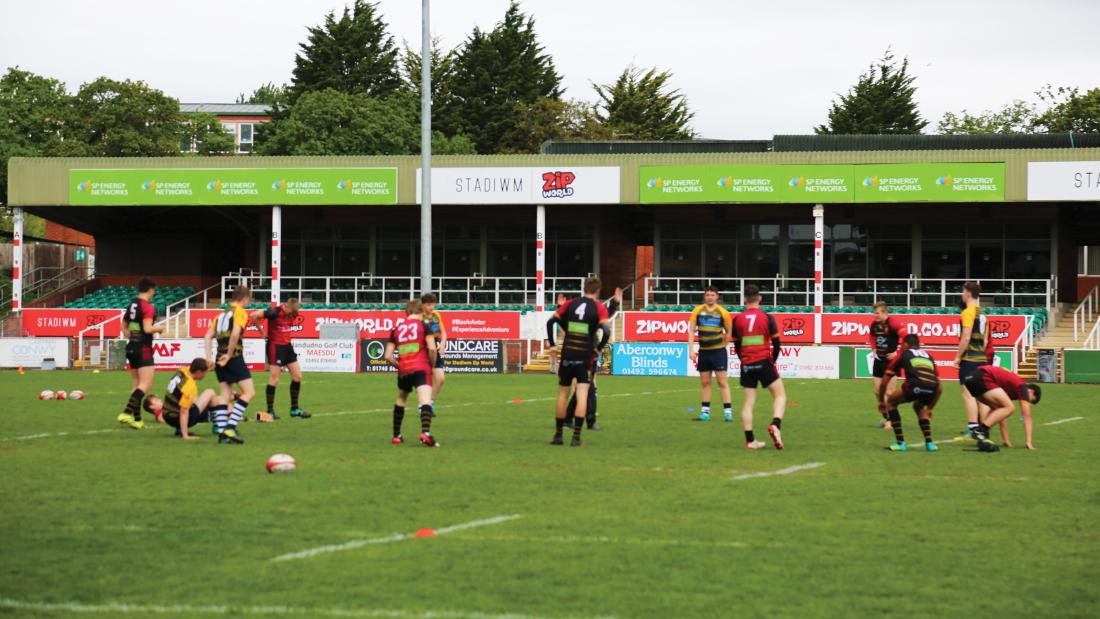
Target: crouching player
x=183, y=406
x=416, y=352
x=996, y=388
x=921, y=387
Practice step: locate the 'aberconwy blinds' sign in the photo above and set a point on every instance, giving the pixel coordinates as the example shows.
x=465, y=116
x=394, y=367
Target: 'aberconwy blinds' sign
x=824, y=183
x=232, y=186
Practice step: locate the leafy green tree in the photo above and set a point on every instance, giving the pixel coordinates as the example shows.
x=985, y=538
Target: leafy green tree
x=268, y=94
x=882, y=101
x=352, y=54
x=206, y=132
x=1069, y=110
x=554, y=119
x=642, y=106
x=1016, y=117
x=493, y=72
x=125, y=119
x=34, y=114
x=444, y=112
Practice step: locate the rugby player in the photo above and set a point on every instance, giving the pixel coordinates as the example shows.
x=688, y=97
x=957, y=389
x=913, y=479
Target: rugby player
x=971, y=353
x=996, y=388
x=713, y=324
x=579, y=318
x=886, y=333
x=281, y=325
x=416, y=354
x=571, y=410
x=756, y=342
x=921, y=387
x=435, y=323
x=137, y=326
x=230, y=368
x=183, y=406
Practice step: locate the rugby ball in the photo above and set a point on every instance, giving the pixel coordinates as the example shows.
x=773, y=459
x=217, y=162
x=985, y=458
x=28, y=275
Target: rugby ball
x=76, y=395
x=281, y=463
x=46, y=395
x=61, y=395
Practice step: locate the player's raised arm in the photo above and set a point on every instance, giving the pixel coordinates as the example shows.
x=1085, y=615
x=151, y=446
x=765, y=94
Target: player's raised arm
x=550, y=324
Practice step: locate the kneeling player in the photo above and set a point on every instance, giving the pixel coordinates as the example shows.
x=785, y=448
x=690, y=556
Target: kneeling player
x=996, y=388
x=756, y=341
x=921, y=387
x=281, y=324
x=183, y=406
x=416, y=354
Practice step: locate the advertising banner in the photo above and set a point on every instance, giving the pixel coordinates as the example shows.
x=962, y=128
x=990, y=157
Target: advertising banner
x=372, y=356
x=29, y=352
x=461, y=357
x=944, y=358
x=797, y=362
x=930, y=182
x=65, y=322
x=673, y=327
x=172, y=354
x=327, y=355
x=377, y=324
x=524, y=185
x=232, y=186
x=672, y=359
x=1063, y=180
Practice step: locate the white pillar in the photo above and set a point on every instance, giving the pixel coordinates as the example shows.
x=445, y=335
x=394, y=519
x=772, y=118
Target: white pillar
x=819, y=267
x=276, y=253
x=17, y=260
x=540, y=257
x=425, y=148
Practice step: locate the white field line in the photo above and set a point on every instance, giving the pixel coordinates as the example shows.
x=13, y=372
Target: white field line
x=55, y=434
x=1060, y=421
x=396, y=537
x=787, y=471
x=597, y=539
x=116, y=608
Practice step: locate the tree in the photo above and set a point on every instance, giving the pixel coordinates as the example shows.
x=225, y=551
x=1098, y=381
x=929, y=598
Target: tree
x=640, y=106
x=206, y=132
x=444, y=117
x=494, y=71
x=1016, y=117
x=125, y=119
x=35, y=112
x=352, y=54
x=268, y=94
x=1068, y=110
x=554, y=119
x=880, y=102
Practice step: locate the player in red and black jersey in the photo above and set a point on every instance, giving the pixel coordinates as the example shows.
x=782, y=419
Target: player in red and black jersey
x=579, y=318
x=996, y=388
x=138, y=328
x=415, y=348
x=282, y=324
x=613, y=306
x=921, y=387
x=756, y=341
x=886, y=334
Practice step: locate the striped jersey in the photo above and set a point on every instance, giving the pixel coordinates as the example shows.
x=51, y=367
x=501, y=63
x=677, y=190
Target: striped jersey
x=916, y=365
x=712, y=325
x=235, y=316
x=580, y=318
x=182, y=392
x=973, y=316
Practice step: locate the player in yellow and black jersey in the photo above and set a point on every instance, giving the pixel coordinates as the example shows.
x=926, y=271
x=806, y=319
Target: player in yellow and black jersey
x=971, y=352
x=230, y=368
x=183, y=406
x=713, y=324
x=921, y=387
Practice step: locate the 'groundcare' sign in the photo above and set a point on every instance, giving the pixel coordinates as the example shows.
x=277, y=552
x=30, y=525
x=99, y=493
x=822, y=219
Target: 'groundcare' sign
x=461, y=357
x=233, y=186
x=813, y=183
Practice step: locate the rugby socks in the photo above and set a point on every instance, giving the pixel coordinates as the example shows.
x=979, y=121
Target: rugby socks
x=750, y=436
x=578, y=424
x=705, y=408
x=271, y=397
x=777, y=422
x=895, y=424
x=133, y=405
x=926, y=429
x=727, y=408
x=982, y=432
x=426, y=419
x=974, y=427
x=237, y=414
x=398, y=417
x=221, y=417
x=295, y=389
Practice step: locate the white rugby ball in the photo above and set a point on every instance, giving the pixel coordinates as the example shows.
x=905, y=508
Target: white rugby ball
x=281, y=463
x=46, y=395
x=61, y=395
x=76, y=395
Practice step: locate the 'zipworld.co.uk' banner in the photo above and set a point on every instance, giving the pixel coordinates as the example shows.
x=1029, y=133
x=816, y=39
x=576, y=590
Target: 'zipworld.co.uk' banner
x=232, y=186
x=813, y=183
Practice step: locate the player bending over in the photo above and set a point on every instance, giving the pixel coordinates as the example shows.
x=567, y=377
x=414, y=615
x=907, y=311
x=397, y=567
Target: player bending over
x=713, y=323
x=183, y=406
x=571, y=410
x=230, y=368
x=996, y=388
x=886, y=333
x=137, y=325
x=756, y=341
x=435, y=324
x=281, y=325
x=921, y=387
x=579, y=319
x=416, y=354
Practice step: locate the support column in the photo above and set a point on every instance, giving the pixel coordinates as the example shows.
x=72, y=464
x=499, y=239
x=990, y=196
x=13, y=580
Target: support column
x=540, y=257
x=17, y=260
x=276, y=253
x=819, y=267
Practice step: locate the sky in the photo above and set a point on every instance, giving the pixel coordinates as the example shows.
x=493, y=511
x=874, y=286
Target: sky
x=749, y=69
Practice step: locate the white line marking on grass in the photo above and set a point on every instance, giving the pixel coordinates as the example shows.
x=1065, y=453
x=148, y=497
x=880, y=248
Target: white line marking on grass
x=53, y=434
x=1058, y=421
x=262, y=611
x=522, y=401
x=787, y=471
x=396, y=537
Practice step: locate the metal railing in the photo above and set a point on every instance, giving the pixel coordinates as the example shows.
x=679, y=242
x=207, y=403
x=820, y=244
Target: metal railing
x=177, y=312
x=1092, y=340
x=81, y=351
x=1024, y=343
x=44, y=281
x=1086, y=313
x=841, y=292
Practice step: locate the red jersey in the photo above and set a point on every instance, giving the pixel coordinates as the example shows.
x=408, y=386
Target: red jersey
x=886, y=335
x=1001, y=378
x=136, y=312
x=753, y=330
x=281, y=325
x=410, y=338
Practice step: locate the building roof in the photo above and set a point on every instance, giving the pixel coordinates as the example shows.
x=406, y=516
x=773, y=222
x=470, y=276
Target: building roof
x=227, y=109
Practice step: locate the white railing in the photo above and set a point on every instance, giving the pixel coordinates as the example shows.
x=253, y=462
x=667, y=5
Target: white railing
x=1086, y=313
x=1024, y=343
x=101, y=339
x=177, y=312
x=840, y=292
x=1092, y=341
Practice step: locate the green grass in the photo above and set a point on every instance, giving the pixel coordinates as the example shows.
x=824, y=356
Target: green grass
x=645, y=521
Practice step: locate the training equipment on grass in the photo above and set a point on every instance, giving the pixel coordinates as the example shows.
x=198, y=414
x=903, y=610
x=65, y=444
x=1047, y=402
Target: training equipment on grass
x=61, y=395
x=423, y=533
x=281, y=463
x=76, y=394
x=46, y=395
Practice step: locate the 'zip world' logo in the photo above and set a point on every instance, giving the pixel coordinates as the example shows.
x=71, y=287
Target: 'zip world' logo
x=557, y=184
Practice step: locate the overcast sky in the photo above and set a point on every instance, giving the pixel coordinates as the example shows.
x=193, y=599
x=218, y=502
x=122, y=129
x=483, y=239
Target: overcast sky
x=750, y=69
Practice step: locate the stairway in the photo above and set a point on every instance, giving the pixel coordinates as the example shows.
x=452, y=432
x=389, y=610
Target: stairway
x=538, y=363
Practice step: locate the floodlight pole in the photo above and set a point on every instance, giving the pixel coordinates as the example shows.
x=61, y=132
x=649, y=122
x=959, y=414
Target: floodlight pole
x=425, y=148
x=819, y=267
x=17, y=260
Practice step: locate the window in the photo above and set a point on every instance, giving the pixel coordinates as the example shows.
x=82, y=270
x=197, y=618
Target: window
x=943, y=260
x=757, y=259
x=891, y=259
x=245, y=138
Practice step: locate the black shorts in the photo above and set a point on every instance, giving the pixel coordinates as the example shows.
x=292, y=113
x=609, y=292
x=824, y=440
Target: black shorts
x=193, y=417
x=571, y=369
x=439, y=364
x=139, y=355
x=920, y=393
x=407, y=383
x=878, y=370
x=281, y=355
x=233, y=372
x=966, y=368
x=763, y=373
x=716, y=360
x=975, y=383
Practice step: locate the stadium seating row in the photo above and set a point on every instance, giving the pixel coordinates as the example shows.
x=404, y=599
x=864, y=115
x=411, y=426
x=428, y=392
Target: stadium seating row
x=117, y=297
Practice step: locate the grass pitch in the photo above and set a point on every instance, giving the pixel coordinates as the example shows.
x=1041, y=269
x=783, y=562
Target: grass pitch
x=647, y=520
